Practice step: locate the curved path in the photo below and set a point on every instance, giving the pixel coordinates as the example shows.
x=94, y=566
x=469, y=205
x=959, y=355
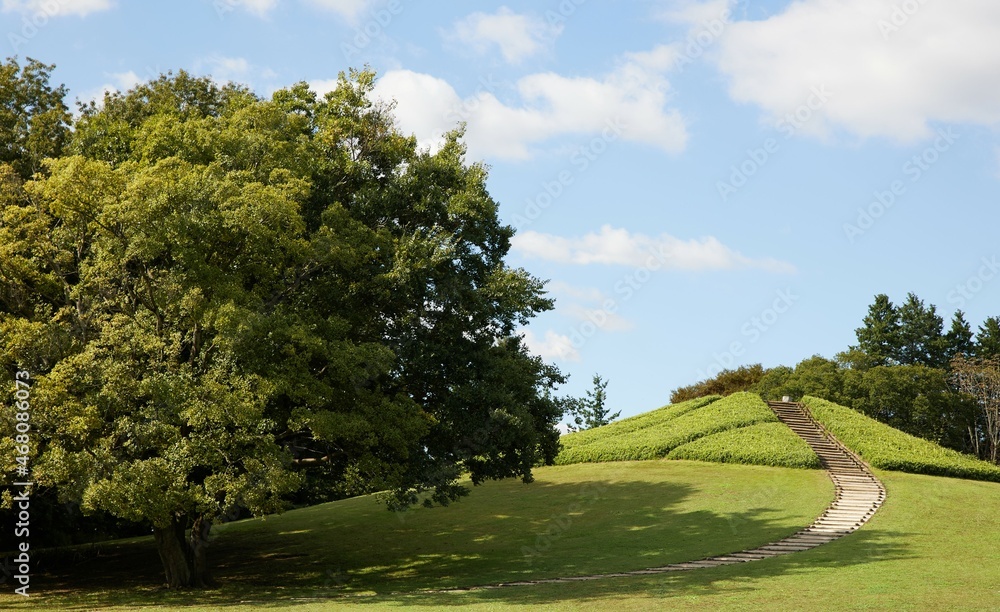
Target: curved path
x=858, y=495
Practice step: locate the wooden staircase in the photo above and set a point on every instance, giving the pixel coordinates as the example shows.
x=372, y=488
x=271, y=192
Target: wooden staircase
x=859, y=492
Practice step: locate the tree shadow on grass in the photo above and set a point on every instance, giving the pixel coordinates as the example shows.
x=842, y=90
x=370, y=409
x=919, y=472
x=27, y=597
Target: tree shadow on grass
x=860, y=548
x=515, y=533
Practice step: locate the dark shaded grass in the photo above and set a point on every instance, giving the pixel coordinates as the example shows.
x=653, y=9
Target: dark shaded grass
x=573, y=520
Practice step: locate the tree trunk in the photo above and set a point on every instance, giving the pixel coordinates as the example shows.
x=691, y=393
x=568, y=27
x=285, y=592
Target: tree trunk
x=170, y=545
x=184, y=560
x=197, y=547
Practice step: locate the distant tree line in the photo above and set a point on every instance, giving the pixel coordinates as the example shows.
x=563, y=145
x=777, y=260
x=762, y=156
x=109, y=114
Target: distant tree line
x=905, y=371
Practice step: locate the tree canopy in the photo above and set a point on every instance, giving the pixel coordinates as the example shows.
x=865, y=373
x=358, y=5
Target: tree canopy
x=959, y=340
x=910, y=334
x=725, y=382
x=879, y=336
x=34, y=119
x=227, y=301
x=988, y=339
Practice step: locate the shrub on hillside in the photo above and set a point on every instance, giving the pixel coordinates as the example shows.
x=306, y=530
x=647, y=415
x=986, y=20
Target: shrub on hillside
x=659, y=438
x=633, y=424
x=771, y=444
x=890, y=449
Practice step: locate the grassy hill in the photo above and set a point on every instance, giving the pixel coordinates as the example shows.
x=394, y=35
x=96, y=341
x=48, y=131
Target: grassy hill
x=890, y=449
x=935, y=543
x=739, y=428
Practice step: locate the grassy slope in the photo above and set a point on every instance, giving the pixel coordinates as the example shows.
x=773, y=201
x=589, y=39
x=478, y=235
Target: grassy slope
x=572, y=520
x=630, y=425
x=890, y=449
x=935, y=544
x=737, y=429
x=761, y=444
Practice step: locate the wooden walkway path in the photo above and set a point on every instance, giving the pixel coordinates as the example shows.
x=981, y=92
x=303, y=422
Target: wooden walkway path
x=858, y=495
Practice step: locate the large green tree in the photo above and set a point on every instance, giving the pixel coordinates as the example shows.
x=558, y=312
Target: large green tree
x=898, y=371
x=222, y=297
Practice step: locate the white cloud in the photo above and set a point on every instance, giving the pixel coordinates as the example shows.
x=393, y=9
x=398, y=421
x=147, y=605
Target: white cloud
x=56, y=8
x=350, y=10
x=517, y=36
x=659, y=58
x=588, y=304
x=620, y=247
x=119, y=81
x=890, y=73
x=423, y=104
x=552, y=346
x=323, y=86
x=223, y=69
x=586, y=294
x=605, y=320
x=629, y=104
x=127, y=80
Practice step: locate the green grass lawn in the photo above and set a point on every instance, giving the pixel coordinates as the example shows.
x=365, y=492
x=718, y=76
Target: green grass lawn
x=934, y=545
x=572, y=520
x=739, y=428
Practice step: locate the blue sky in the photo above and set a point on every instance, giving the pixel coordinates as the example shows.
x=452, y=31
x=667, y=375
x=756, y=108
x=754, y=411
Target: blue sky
x=703, y=183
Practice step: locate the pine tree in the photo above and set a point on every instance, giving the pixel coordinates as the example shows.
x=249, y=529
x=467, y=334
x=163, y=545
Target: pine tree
x=988, y=339
x=879, y=338
x=921, y=341
x=589, y=412
x=959, y=339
